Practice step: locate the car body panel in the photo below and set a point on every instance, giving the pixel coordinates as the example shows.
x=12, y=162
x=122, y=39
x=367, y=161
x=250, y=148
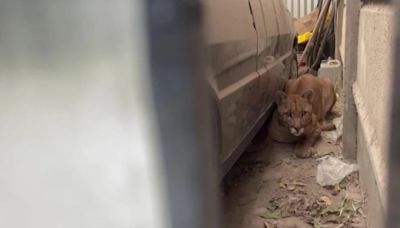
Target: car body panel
x=249, y=46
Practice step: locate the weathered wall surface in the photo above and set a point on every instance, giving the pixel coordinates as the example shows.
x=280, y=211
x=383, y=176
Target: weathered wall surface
x=371, y=91
x=372, y=75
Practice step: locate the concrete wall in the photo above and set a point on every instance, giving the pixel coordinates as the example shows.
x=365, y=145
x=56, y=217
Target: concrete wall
x=371, y=92
x=372, y=87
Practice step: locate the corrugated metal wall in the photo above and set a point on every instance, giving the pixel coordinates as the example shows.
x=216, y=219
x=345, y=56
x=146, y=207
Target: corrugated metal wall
x=299, y=8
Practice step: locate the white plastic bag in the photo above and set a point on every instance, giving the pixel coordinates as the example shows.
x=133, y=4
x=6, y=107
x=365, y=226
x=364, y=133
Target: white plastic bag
x=334, y=136
x=331, y=171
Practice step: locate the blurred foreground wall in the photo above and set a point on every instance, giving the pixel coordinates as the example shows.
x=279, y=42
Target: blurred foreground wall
x=77, y=142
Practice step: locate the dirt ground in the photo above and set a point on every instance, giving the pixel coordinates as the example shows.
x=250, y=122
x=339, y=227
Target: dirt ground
x=269, y=187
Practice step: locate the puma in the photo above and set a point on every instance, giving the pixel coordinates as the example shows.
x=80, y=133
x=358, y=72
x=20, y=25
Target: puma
x=301, y=112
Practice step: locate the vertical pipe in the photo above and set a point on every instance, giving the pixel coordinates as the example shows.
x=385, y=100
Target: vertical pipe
x=393, y=212
x=183, y=120
x=352, y=12
x=311, y=42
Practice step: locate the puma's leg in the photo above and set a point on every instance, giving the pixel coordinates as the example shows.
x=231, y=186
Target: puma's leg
x=328, y=96
x=304, y=148
x=325, y=126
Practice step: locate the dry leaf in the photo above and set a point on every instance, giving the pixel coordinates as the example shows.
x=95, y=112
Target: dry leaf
x=361, y=212
x=326, y=200
x=272, y=214
x=291, y=187
x=298, y=183
x=281, y=184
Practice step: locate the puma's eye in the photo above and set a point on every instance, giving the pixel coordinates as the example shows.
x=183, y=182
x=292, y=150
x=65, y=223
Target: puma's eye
x=303, y=113
x=288, y=114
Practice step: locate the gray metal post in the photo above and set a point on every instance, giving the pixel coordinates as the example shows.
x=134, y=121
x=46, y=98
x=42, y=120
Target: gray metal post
x=393, y=219
x=349, y=76
x=179, y=98
x=78, y=144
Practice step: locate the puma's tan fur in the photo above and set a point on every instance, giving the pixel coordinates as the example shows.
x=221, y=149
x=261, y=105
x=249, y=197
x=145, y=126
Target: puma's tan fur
x=300, y=115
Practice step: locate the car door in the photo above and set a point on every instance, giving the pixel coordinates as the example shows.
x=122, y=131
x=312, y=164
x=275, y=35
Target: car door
x=232, y=54
x=285, y=26
x=266, y=28
x=273, y=70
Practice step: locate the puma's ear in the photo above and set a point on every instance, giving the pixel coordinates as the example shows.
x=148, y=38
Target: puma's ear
x=308, y=95
x=280, y=97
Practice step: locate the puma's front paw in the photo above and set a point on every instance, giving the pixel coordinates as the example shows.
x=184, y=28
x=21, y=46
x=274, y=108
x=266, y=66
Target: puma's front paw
x=302, y=152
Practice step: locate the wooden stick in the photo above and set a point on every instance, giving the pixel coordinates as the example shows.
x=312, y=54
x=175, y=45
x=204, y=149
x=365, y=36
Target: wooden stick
x=317, y=25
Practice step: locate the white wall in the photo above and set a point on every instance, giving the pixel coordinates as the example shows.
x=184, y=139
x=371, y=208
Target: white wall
x=77, y=147
x=372, y=96
x=372, y=88
x=300, y=8
x=365, y=46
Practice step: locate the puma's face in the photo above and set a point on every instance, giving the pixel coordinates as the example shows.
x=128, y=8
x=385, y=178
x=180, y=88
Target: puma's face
x=295, y=111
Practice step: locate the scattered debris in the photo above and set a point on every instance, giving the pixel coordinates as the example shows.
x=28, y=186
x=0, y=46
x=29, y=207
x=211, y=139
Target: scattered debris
x=266, y=225
x=298, y=183
x=290, y=186
x=331, y=171
x=273, y=214
x=323, y=153
x=281, y=184
x=347, y=208
x=326, y=200
x=335, y=190
x=319, y=212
